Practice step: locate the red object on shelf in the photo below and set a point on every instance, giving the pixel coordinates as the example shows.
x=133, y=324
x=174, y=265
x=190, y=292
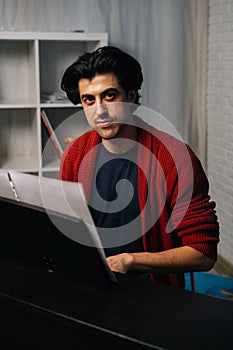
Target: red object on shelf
x=51, y=133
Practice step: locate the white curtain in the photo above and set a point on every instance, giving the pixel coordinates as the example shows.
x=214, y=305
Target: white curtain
x=168, y=37
x=196, y=50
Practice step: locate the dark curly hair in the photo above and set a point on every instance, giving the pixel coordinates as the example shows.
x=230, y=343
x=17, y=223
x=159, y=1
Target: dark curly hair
x=107, y=59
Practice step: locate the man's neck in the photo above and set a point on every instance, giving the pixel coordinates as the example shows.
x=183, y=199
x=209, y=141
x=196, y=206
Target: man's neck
x=122, y=143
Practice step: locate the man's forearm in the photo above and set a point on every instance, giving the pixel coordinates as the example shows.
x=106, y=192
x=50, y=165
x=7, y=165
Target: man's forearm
x=177, y=260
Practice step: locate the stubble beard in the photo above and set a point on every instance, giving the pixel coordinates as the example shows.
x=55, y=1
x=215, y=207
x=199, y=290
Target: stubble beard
x=111, y=132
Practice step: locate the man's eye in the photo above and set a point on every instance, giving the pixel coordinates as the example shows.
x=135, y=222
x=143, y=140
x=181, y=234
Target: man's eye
x=88, y=100
x=110, y=96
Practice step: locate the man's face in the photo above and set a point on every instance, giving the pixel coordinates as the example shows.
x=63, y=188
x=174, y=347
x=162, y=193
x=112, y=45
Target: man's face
x=105, y=105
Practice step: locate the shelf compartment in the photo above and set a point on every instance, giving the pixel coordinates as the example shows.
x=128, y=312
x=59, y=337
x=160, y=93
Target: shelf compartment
x=17, y=72
x=18, y=140
x=63, y=53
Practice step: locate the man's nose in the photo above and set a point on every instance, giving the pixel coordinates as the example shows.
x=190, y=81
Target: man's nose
x=100, y=108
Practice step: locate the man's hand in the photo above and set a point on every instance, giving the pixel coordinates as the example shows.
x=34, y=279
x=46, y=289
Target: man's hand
x=120, y=263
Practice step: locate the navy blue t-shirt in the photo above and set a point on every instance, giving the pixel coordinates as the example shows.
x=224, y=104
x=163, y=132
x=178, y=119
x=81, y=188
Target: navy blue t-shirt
x=114, y=203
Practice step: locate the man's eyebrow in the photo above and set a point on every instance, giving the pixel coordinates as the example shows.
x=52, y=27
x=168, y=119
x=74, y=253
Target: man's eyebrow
x=103, y=93
x=86, y=96
x=111, y=89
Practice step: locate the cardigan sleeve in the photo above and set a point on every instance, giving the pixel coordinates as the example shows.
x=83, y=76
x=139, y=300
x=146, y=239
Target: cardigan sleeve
x=66, y=163
x=194, y=215
x=73, y=155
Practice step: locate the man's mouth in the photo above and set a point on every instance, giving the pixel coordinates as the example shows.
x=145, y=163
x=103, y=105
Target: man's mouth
x=104, y=123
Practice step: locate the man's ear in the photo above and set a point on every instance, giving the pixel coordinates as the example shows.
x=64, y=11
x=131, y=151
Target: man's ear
x=132, y=94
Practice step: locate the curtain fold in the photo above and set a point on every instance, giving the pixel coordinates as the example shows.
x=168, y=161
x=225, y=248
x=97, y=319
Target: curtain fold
x=196, y=77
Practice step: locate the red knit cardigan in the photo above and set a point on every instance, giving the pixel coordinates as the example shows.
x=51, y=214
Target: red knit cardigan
x=171, y=178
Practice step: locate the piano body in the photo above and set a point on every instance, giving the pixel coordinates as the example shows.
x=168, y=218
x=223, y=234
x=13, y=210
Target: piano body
x=57, y=294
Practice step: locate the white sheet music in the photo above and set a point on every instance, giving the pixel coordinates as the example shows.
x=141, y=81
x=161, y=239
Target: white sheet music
x=63, y=197
x=56, y=196
x=5, y=188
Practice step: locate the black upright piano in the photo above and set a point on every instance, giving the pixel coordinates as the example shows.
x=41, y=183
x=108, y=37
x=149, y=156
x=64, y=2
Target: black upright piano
x=57, y=294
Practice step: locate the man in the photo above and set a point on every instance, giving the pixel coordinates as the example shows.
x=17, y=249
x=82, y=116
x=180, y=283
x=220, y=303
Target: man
x=175, y=227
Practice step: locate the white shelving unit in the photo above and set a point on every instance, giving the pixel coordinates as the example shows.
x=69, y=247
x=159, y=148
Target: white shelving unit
x=31, y=64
